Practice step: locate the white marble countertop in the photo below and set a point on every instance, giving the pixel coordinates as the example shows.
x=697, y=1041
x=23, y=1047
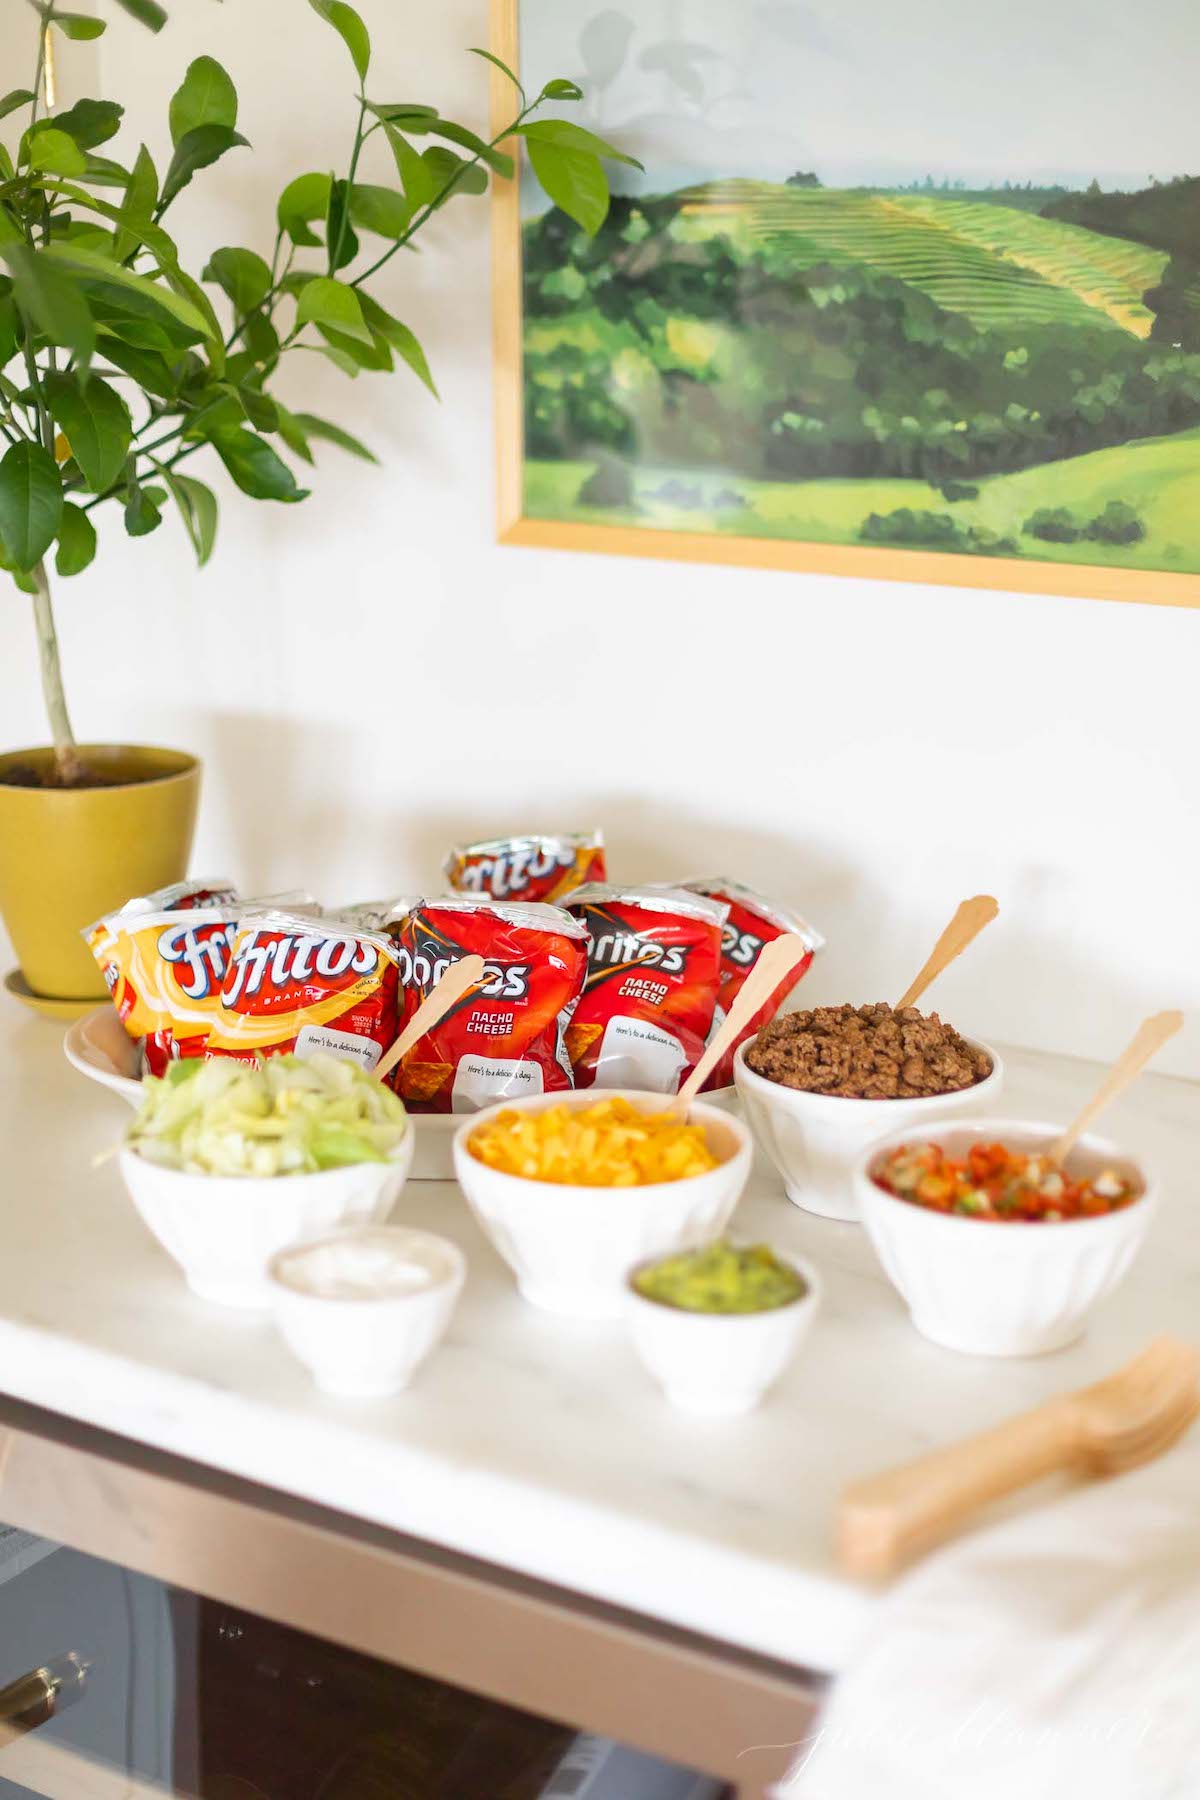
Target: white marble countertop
x=530, y=1441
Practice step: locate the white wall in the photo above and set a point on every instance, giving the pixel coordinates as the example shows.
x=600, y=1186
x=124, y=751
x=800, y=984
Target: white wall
x=369, y=677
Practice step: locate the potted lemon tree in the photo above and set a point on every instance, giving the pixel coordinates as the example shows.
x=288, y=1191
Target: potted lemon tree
x=118, y=366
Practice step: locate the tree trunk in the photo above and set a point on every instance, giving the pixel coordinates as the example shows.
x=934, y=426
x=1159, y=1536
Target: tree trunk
x=66, y=758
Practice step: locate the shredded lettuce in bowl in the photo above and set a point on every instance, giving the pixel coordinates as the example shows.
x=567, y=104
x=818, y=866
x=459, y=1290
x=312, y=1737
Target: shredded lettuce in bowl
x=288, y=1115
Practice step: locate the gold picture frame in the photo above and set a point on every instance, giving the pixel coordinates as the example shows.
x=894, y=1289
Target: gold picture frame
x=940, y=568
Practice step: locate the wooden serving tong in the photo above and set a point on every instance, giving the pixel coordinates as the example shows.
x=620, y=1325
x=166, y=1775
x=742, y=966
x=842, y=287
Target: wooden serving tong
x=1117, y=1424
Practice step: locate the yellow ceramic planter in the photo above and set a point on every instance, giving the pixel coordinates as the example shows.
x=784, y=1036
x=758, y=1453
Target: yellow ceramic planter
x=69, y=854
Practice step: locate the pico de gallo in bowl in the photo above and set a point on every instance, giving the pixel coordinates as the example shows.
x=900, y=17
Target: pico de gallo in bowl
x=992, y=1181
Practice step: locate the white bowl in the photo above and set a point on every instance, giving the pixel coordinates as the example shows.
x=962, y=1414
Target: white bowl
x=571, y=1248
x=369, y=1345
x=720, y=1363
x=223, y=1230
x=99, y=1046
x=996, y=1287
x=815, y=1140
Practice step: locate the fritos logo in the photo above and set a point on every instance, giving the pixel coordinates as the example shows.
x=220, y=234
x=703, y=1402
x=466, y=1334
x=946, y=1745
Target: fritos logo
x=285, y=962
x=202, y=960
x=527, y=868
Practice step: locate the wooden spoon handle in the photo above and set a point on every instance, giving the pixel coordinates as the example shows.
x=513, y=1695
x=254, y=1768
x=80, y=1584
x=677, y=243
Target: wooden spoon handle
x=966, y=924
x=778, y=958
x=1146, y=1042
x=459, y=977
x=887, y=1520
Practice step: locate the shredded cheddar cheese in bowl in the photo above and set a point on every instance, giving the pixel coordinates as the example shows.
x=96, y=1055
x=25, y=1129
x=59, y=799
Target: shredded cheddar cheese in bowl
x=610, y=1144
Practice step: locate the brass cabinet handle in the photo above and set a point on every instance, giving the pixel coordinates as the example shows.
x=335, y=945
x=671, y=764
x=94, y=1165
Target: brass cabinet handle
x=33, y=1698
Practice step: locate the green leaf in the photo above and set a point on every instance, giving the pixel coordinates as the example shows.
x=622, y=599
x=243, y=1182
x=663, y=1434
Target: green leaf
x=149, y=369
x=350, y=28
x=332, y=304
x=141, y=197
x=96, y=423
x=242, y=274
x=412, y=169
x=101, y=268
x=339, y=236
x=31, y=503
x=566, y=136
x=255, y=467
x=11, y=101
x=77, y=25
x=458, y=134
x=403, y=112
x=259, y=408
x=561, y=89
x=195, y=150
x=379, y=209
x=574, y=180
x=292, y=433
x=314, y=427
x=76, y=541
x=52, y=302
x=497, y=64
x=301, y=201
x=90, y=122
x=198, y=508
x=146, y=12
x=401, y=339
x=103, y=171
x=142, y=513
x=372, y=355
x=54, y=152
x=338, y=358
x=261, y=339
x=206, y=96
x=452, y=175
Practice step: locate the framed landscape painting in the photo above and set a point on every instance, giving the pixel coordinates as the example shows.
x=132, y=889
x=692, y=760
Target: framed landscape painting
x=904, y=290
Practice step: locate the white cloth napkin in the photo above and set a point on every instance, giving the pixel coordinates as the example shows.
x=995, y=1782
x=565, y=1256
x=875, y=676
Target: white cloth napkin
x=1054, y=1654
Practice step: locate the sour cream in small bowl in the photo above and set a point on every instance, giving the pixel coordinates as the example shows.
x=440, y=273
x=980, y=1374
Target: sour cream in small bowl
x=363, y=1309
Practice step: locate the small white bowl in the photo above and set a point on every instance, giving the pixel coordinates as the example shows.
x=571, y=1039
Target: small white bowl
x=720, y=1363
x=99, y=1046
x=995, y=1287
x=367, y=1345
x=571, y=1248
x=223, y=1230
x=815, y=1140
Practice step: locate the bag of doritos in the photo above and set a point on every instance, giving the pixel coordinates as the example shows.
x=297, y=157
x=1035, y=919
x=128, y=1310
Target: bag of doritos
x=752, y=923
x=654, y=969
x=505, y=1039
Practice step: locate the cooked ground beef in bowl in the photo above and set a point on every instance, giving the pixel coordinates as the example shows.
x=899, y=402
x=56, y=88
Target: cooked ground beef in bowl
x=866, y=1053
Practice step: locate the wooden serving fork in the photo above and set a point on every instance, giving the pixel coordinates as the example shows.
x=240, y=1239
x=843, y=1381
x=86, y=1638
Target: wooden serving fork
x=1117, y=1424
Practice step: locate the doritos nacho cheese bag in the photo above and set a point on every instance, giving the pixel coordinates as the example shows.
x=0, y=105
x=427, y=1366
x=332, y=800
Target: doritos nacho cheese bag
x=527, y=868
x=752, y=923
x=306, y=984
x=505, y=1039
x=654, y=968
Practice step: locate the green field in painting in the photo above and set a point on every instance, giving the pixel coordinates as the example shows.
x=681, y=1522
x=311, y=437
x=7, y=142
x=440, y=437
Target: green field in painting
x=1159, y=476
x=995, y=264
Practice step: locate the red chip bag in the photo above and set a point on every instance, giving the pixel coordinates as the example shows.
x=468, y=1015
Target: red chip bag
x=527, y=868
x=505, y=1039
x=654, y=968
x=752, y=923
x=306, y=984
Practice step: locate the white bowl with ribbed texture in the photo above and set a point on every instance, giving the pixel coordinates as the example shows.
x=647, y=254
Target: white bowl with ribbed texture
x=717, y=1364
x=571, y=1248
x=1007, y=1287
x=223, y=1230
x=815, y=1140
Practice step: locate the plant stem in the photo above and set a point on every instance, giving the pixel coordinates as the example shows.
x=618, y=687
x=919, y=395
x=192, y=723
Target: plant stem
x=66, y=757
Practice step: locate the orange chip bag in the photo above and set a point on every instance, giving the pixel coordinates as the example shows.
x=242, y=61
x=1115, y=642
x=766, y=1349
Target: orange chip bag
x=165, y=970
x=527, y=869
x=751, y=925
x=305, y=984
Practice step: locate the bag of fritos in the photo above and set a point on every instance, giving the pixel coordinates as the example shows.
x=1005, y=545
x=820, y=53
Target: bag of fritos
x=504, y=1039
x=527, y=869
x=751, y=924
x=654, y=969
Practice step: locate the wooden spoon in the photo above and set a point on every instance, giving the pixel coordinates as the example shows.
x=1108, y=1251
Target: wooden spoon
x=1146, y=1042
x=778, y=958
x=458, y=979
x=966, y=925
x=1117, y=1424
